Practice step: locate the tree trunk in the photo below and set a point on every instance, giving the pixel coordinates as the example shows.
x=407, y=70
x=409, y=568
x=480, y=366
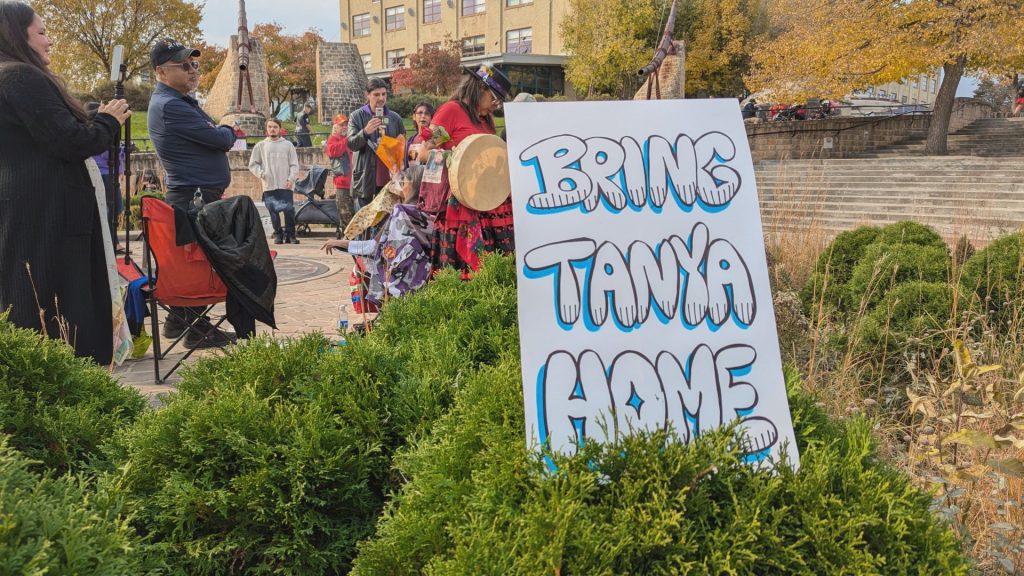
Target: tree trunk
x=938, y=130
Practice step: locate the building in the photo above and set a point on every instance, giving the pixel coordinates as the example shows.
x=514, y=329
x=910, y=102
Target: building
x=913, y=90
x=520, y=36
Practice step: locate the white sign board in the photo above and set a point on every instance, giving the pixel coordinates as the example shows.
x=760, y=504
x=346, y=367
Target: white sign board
x=644, y=300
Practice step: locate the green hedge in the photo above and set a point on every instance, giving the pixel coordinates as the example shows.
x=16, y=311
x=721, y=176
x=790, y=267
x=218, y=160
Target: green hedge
x=908, y=232
x=478, y=503
x=276, y=458
x=834, y=269
x=996, y=275
x=57, y=409
x=60, y=526
x=886, y=266
x=911, y=318
x=261, y=467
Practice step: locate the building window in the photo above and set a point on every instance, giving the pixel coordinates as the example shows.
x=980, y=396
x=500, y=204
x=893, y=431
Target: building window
x=471, y=7
x=871, y=91
x=395, y=58
x=513, y=3
x=935, y=85
x=519, y=41
x=913, y=83
x=892, y=96
x=360, y=25
x=903, y=99
x=883, y=94
x=366, y=61
x=431, y=11
x=473, y=46
x=394, y=18
x=432, y=46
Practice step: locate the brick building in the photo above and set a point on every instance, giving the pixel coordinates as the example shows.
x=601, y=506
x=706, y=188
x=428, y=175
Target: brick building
x=520, y=36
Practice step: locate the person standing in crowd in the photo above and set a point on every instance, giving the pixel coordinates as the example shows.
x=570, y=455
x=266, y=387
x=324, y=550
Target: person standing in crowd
x=341, y=167
x=52, y=249
x=461, y=233
x=302, y=127
x=275, y=162
x=366, y=125
x=193, y=151
x=1018, y=104
x=422, y=114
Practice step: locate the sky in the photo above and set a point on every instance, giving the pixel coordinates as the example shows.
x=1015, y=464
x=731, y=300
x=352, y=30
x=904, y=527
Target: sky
x=220, y=17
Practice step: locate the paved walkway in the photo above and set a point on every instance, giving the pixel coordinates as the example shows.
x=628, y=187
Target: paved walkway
x=303, y=305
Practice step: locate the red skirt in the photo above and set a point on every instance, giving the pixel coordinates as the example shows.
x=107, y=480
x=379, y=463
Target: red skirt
x=462, y=234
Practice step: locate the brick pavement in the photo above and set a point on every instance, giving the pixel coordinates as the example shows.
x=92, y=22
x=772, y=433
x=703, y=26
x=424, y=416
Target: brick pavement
x=301, y=307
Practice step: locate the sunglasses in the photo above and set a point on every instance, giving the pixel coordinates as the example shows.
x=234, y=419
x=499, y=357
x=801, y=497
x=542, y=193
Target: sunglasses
x=187, y=66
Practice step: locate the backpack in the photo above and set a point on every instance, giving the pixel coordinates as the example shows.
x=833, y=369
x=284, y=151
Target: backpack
x=341, y=165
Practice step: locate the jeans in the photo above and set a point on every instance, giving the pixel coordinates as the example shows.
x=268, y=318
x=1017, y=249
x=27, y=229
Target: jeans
x=278, y=202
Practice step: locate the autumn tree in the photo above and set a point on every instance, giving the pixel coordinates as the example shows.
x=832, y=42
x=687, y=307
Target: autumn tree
x=609, y=40
x=85, y=33
x=291, y=61
x=432, y=70
x=832, y=47
x=719, y=45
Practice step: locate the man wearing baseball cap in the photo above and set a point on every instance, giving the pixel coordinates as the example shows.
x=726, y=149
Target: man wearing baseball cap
x=192, y=148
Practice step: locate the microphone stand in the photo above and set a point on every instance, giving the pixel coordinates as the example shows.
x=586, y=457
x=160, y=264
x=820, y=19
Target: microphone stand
x=115, y=165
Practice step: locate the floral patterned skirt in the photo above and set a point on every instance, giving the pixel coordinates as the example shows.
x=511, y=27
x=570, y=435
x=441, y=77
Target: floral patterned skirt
x=462, y=234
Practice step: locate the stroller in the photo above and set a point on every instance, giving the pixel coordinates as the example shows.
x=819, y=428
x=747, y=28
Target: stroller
x=312, y=210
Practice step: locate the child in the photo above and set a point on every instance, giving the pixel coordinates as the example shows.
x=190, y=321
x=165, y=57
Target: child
x=401, y=255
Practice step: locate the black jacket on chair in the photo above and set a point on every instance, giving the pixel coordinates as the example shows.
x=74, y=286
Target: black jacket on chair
x=231, y=234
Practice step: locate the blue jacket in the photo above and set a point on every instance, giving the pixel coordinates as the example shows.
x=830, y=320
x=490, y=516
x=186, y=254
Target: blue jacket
x=190, y=145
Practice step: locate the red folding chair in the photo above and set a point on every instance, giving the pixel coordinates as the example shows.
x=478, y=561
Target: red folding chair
x=180, y=276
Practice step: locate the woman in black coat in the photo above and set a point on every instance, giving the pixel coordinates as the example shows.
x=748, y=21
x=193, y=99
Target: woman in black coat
x=52, y=263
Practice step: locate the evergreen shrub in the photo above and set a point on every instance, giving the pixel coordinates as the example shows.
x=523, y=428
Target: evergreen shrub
x=835, y=268
x=56, y=408
x=59, y=526
x=264, y=463
x=912, y=317
x=477, y=502
x=913, y=233
x=883, y=266
x=996, y=274
x=275, y=458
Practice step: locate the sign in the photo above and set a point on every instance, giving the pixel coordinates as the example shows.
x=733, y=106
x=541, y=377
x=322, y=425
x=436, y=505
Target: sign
x=644, y=300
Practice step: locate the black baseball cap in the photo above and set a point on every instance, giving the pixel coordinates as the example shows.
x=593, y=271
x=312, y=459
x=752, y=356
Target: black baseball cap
x=170, y=50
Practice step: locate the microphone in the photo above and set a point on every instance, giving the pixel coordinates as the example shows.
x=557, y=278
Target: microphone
x=115, y=63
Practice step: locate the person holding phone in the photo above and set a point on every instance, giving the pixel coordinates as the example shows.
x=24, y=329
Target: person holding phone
x=365, y=127
x=52, y=249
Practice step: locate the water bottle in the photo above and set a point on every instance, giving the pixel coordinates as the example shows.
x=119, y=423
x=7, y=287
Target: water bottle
x=342, y=323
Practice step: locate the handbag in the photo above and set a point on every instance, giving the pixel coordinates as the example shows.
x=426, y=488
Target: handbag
x=435, y=188
x=341, y=165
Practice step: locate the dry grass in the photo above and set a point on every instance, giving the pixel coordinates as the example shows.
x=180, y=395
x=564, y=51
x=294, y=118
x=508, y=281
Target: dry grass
x=984, y=506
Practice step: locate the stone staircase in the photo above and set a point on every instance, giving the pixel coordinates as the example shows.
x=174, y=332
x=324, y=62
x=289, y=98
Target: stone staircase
x=977, y=191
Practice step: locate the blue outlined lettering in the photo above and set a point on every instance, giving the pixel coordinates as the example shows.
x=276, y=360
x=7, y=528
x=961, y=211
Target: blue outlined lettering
x=588, y=172
x=667, y=276
x=580, y=396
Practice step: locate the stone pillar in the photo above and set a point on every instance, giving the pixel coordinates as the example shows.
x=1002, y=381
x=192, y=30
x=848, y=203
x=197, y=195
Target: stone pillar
x=221, y=103
x=340, y=79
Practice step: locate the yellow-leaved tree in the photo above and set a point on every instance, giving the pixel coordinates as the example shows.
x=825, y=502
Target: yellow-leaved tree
x=608, y=41
x=85, y=33
x=829, y=48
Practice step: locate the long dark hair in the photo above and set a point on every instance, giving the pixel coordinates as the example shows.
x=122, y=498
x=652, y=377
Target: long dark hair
x=469, y=94
x=15, y=18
